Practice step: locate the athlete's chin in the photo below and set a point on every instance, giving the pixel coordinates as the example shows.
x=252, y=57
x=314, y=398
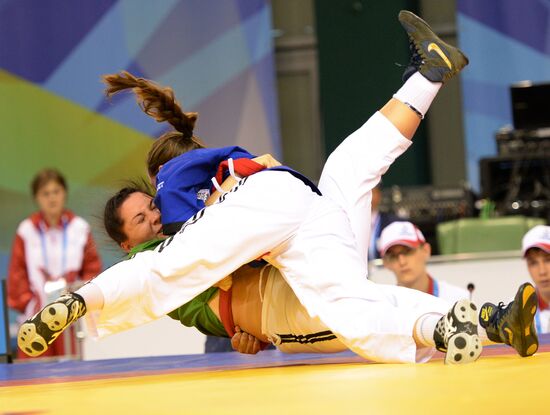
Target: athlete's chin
x=405, y=279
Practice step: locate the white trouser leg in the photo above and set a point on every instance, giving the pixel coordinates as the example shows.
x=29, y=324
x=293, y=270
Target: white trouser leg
x=354, y=168
x=349, y=175
x=323, y=268
x=419, y=304
x=283, y=314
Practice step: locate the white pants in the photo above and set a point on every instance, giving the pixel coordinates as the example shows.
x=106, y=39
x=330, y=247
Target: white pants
x=355, y=167
x=309, y=238
x=287, y=324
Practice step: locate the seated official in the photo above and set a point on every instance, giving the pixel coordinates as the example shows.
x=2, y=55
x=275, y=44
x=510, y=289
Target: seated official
x=405, y=252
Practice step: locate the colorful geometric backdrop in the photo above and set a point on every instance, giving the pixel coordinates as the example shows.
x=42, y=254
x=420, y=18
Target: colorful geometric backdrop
x=217, y=55
x=507, y=41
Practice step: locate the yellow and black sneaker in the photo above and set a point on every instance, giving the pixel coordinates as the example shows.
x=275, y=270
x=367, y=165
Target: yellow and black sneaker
x=513, y=324
x=38, y=332
x=433, y=58
x=456, y=334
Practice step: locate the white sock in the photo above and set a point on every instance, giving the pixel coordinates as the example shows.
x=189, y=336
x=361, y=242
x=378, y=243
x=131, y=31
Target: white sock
x=425, y=327
x=418, y=92
x=93, y=297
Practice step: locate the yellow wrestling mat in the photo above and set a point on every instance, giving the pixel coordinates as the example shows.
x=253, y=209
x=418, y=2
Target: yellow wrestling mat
x=494, y=384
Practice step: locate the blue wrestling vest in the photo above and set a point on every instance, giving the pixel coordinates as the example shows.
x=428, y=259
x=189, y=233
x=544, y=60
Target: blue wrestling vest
x=184, y=183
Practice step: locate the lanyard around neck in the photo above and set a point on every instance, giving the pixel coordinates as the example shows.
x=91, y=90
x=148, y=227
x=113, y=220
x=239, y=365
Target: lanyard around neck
x=433, y=288
x=44, y=245
x=537, y=322
x=542, y=306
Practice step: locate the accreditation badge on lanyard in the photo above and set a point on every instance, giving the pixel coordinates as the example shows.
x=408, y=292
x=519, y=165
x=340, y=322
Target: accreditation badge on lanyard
x=54, y=286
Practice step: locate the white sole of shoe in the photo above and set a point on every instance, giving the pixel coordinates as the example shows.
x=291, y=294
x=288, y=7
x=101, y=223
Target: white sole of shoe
x=464, y=346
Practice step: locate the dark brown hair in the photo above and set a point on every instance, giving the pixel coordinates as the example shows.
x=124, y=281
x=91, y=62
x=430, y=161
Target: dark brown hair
x=43, y=177
x=111, y=215
x=159, y=102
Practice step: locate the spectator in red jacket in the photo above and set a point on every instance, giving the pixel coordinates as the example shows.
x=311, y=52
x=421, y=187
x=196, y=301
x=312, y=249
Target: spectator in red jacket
x=53, y=249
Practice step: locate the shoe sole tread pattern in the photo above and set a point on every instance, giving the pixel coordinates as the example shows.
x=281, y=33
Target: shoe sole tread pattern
x=529, y=339
x=35, y=335
x=29, y=341
x=464, y=346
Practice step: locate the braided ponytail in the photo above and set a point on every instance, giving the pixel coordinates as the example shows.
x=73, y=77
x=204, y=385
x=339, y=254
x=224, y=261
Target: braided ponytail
x=160, y=103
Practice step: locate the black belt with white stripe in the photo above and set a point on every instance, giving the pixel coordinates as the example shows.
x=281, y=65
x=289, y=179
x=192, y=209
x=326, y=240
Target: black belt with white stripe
x=321, y=336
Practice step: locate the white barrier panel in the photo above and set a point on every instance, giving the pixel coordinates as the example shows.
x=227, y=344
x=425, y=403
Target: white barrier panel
x=163, y=337
x=495, y=275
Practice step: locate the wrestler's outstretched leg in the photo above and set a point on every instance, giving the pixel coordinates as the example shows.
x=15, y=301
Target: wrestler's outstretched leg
x=355, y=167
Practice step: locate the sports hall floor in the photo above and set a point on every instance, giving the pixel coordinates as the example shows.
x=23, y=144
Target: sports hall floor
x=273, y=383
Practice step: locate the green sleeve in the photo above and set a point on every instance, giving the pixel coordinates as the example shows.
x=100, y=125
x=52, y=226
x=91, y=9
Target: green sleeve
x=197, y=313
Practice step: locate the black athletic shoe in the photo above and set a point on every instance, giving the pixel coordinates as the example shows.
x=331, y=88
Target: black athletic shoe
x=513, y=324
x=456, y=334
x=38, y=332
x=433, y=58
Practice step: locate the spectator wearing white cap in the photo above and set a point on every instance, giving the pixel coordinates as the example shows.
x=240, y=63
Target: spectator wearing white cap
x=405, y=252
x=536, y=251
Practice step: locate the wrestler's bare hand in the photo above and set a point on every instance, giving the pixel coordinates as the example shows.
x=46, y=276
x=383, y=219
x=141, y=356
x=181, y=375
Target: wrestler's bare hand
x=244, y=343
x=267, y=160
